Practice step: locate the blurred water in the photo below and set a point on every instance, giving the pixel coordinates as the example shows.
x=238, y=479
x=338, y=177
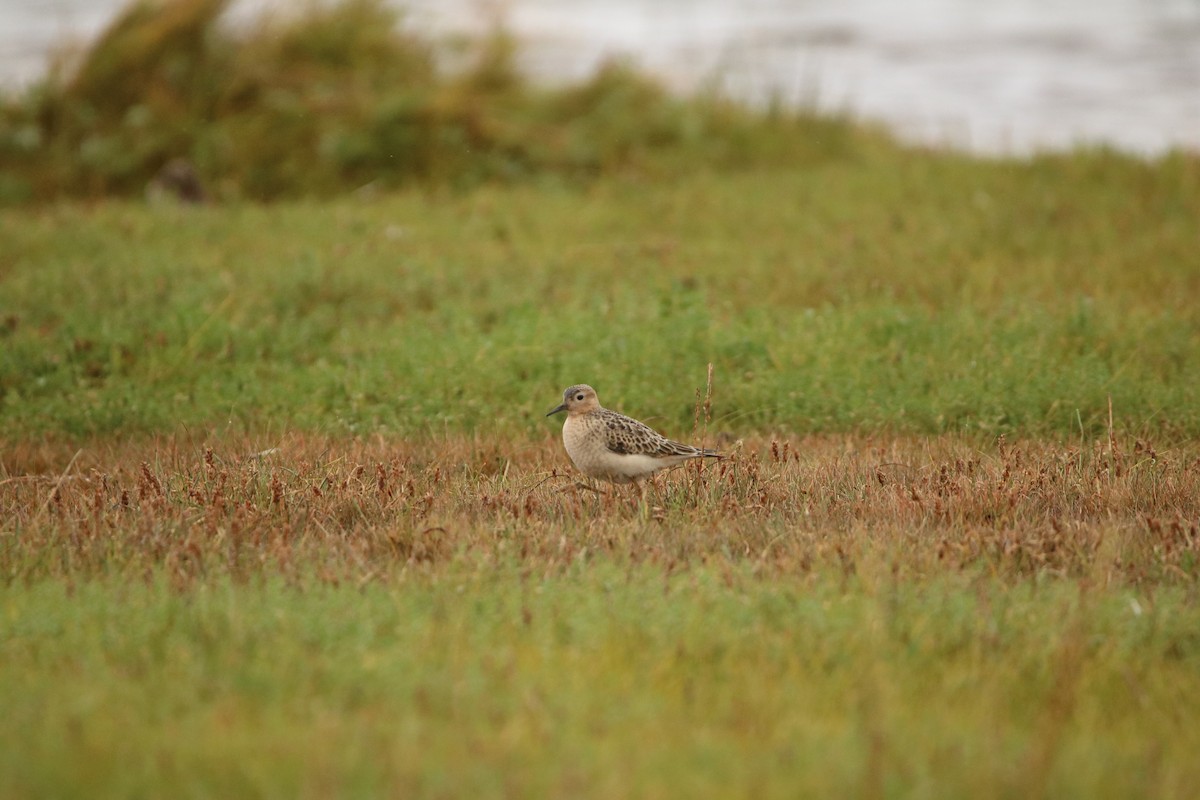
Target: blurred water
x=998, y=76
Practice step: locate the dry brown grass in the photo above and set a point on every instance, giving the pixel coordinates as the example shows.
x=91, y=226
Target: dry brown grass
x=358, y=510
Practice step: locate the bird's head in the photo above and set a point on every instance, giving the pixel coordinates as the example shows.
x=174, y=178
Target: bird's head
x=578, y=399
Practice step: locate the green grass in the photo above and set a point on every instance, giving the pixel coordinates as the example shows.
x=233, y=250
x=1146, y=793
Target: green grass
x=605, y=682
x=924, y=293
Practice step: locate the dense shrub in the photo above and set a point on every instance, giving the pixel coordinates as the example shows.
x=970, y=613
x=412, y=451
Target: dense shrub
x=341, y=96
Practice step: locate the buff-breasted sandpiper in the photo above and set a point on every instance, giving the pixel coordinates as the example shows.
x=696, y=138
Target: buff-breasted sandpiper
x=613, y=447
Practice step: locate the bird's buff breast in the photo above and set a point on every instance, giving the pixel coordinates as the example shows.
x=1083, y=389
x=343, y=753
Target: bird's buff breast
x=591, y=457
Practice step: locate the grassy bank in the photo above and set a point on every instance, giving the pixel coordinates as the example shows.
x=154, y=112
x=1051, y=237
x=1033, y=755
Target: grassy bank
x=876, y=616
x=836, y=281
x=925, y=293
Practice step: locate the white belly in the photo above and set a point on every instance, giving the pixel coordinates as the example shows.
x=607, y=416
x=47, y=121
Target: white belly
x=591, y=456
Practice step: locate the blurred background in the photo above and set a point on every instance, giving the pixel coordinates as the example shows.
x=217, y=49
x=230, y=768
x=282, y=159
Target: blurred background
x=1003, y=77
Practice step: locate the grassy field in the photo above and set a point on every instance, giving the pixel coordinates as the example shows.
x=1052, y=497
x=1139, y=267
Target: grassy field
x=922, y=293
x=281, y=516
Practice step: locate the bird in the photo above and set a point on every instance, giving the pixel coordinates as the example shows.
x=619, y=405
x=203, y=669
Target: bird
x=613, y=447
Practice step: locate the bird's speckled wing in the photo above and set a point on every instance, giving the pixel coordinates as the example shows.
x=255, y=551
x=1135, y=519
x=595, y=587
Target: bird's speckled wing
x=626, y=436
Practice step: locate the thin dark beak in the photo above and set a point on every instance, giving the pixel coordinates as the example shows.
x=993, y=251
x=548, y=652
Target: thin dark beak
x=556, y=409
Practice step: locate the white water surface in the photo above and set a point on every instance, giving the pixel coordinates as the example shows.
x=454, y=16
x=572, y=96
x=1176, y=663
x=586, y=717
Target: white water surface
x=1002, y=76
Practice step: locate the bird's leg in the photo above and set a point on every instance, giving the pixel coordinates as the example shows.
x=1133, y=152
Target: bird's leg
x=603, y=496
x=642, y=507
x=619, y=492
x=655, y=487
x=599, y=494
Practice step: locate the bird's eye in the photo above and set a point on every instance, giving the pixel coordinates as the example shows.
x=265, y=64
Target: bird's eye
x=578, y=397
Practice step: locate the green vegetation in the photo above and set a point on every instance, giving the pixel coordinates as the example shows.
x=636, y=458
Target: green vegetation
x=603, y=682
x=280, y=514
x=924, y=293
x=340, y=97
